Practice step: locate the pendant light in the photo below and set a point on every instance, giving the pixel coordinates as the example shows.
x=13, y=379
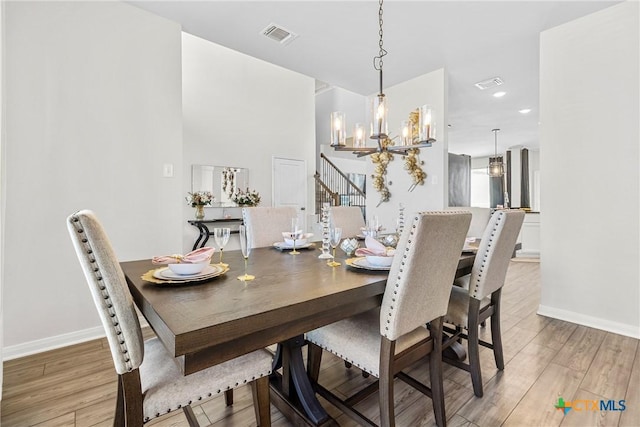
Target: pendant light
x=496, y=167
x=379, y=113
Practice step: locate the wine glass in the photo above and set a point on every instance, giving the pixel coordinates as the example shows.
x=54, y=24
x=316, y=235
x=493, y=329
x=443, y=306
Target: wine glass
x=372, y=227
x=221, y=236
x=245, y=246
x=336, y=234
x=296, y=233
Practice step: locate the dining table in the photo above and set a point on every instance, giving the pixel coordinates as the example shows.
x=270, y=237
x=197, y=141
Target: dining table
x=203, y=323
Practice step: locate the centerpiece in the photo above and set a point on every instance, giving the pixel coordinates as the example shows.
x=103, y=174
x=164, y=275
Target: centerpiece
x=198, y=200
x=246, y=198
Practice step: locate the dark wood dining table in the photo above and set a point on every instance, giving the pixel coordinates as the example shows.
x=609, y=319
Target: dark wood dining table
x=206, y=323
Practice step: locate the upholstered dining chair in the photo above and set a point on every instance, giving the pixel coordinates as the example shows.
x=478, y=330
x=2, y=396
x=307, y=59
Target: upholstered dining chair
x=479, y=219
x=476, y=296
x=349, y=218
x=150, y=383
x=386, y=340
x=265, y=224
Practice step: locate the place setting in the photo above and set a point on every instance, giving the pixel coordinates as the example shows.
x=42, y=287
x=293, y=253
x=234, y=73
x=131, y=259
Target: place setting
x=185, y=269
x=294, y=239
x=375, y=256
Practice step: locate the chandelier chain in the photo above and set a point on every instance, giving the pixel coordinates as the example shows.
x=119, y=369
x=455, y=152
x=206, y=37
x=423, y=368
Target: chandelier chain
x=377, y=61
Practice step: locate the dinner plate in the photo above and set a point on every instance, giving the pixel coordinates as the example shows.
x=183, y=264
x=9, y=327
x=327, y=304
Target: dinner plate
x=281, y=246
x=164, y=275
x=362, y=263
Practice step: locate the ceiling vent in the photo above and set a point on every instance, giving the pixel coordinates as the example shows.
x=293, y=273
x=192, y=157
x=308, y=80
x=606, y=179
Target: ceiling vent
x=279, y=34
x=322, y=87
x=486, y=84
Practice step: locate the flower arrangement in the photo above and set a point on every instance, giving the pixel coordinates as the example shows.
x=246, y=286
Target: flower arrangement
x=199, y=198
x=246, y=198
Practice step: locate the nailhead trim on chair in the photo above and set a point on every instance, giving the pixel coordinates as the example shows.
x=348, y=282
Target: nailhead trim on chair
x=180, y=406
x=400, y=270
x=474, y=292
x=105, y=295
x=349, y=361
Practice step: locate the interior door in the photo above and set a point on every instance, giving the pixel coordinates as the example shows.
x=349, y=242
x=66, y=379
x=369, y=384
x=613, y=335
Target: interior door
x=290, y=185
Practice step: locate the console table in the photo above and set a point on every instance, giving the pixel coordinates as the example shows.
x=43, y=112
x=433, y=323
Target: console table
x=201, y=225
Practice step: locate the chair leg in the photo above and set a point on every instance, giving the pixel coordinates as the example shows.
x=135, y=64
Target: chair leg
x=118, y=419
x=496, y=336
x=474, y=347
x=435, y=373
x=131, y=387
x=228, y=397
x=314, y=358
x=261, y=401
x=387, y=353
x=191, y=417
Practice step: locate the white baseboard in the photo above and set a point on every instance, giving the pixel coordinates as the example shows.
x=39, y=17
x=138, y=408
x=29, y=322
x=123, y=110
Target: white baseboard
x=590, y=321
x=58, y=341
x=528, y=254
x=51, y=343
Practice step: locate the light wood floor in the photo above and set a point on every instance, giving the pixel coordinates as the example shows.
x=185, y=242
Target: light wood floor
x=545, y=358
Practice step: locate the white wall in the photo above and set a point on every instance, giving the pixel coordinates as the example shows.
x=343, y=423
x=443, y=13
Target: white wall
x=337, y=99
x=2, y=179
x=240, y=111
x=589, y=158
x=403, y=98
x=93, y=111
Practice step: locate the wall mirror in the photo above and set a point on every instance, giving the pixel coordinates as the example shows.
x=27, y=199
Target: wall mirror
x=221, y=181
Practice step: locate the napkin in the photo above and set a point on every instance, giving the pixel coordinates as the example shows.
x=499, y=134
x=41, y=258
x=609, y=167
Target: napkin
x=374, y=248
x=194, y=257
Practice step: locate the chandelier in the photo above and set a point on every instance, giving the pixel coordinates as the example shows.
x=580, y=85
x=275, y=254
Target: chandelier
x=379, y=126
x=496, y=167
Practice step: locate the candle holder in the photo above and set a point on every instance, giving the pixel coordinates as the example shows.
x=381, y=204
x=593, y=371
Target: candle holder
x=326, y=233
x=338, y=129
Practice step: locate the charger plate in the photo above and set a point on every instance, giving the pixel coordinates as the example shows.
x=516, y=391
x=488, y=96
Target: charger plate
x=282, y=246
x=363, y=264
x=164, y=276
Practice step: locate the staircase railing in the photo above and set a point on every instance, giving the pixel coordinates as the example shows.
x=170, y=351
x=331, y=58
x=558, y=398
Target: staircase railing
x=335, y=188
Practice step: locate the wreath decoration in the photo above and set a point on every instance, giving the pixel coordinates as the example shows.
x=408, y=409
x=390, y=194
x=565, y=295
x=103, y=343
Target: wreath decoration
x=381, y=162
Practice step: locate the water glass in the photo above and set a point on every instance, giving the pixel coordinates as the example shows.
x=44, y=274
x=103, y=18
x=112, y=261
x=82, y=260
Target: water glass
x=336, y=234
x=221, y=236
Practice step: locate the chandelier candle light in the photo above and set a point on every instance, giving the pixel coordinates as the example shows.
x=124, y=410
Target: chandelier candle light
x=379, y=114
x=338, y=126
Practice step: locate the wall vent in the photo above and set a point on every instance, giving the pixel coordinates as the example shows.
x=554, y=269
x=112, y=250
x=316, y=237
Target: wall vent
x=279, y=34
x=486, y=84
x=322, y=87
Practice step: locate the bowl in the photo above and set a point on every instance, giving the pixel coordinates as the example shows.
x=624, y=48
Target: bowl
x=185, y=269
x=299, y=242
x=380, y=261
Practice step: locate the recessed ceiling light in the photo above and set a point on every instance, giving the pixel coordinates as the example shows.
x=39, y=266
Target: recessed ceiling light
x=524, y=111
x=499, y=94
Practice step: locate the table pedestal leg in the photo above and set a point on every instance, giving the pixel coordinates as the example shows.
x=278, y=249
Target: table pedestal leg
x=292, y=391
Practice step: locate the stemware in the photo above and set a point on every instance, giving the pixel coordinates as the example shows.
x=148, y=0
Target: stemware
x=221, y=236
x=245, y=246
x=336, y=234
x=372, y=227
x=296, y=233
